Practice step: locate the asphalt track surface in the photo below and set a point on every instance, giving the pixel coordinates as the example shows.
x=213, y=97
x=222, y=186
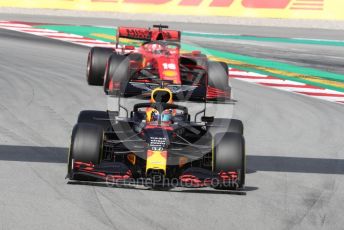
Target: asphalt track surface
x=295, y=148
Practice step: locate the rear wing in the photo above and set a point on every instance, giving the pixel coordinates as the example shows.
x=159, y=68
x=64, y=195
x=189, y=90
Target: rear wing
x=150, y=34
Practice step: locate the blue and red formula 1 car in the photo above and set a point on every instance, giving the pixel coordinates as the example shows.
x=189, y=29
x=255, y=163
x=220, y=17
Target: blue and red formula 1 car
x=163, y=142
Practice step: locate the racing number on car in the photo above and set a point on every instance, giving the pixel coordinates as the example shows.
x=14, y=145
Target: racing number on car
x=169, y=66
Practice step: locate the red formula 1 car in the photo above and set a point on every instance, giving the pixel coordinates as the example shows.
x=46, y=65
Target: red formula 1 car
x=139, y=70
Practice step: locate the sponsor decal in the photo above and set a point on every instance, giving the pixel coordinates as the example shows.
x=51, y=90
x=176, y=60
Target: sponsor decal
x=303, y=9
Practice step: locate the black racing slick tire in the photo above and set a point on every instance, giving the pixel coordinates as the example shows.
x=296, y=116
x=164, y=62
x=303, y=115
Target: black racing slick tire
x=112, y=63
x=218, y=77
x=117, y=73
x=199, y=60
x=87, y=141
x=100, y=118
x=86, y=146
x=96, y=63
x=137, y=57
x=221, y=125
x=225, y=66
x=229, y=155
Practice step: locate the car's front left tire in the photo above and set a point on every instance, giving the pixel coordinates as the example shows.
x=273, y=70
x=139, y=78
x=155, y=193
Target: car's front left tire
x=86, y=145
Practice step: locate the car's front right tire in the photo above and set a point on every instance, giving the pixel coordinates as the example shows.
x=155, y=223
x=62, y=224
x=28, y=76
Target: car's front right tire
x=229, y=156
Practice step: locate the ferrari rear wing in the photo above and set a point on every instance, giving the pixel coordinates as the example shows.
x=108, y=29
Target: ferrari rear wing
x=150, y=34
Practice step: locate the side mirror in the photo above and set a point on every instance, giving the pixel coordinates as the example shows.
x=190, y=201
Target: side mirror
x=129, y=47
x=207, y=119
x=196, y=53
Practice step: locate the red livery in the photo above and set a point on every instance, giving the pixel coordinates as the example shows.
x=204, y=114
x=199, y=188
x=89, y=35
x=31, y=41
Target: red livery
x=148, y=34
x=136, y=71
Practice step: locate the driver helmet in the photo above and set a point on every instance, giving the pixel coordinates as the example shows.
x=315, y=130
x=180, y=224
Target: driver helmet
x=152, y=115
x=166, y=116
x=157, y=48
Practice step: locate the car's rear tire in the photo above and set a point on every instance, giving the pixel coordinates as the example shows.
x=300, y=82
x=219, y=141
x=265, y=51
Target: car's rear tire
x=229, y=155
x=86, y=145
x=137, y=57
x=199, y=60
x=117, y=73
x=225, y=66
x=218, y=77
x=96, y=63
x=100, y=118
x=112, y=63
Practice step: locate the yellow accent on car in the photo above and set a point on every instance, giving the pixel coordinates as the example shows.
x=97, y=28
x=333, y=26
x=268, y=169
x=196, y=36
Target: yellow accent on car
x=170, y=73
x=157, y=90
x=156, y=160
x=182, y=161
x=131, y=158
x=149, y=113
